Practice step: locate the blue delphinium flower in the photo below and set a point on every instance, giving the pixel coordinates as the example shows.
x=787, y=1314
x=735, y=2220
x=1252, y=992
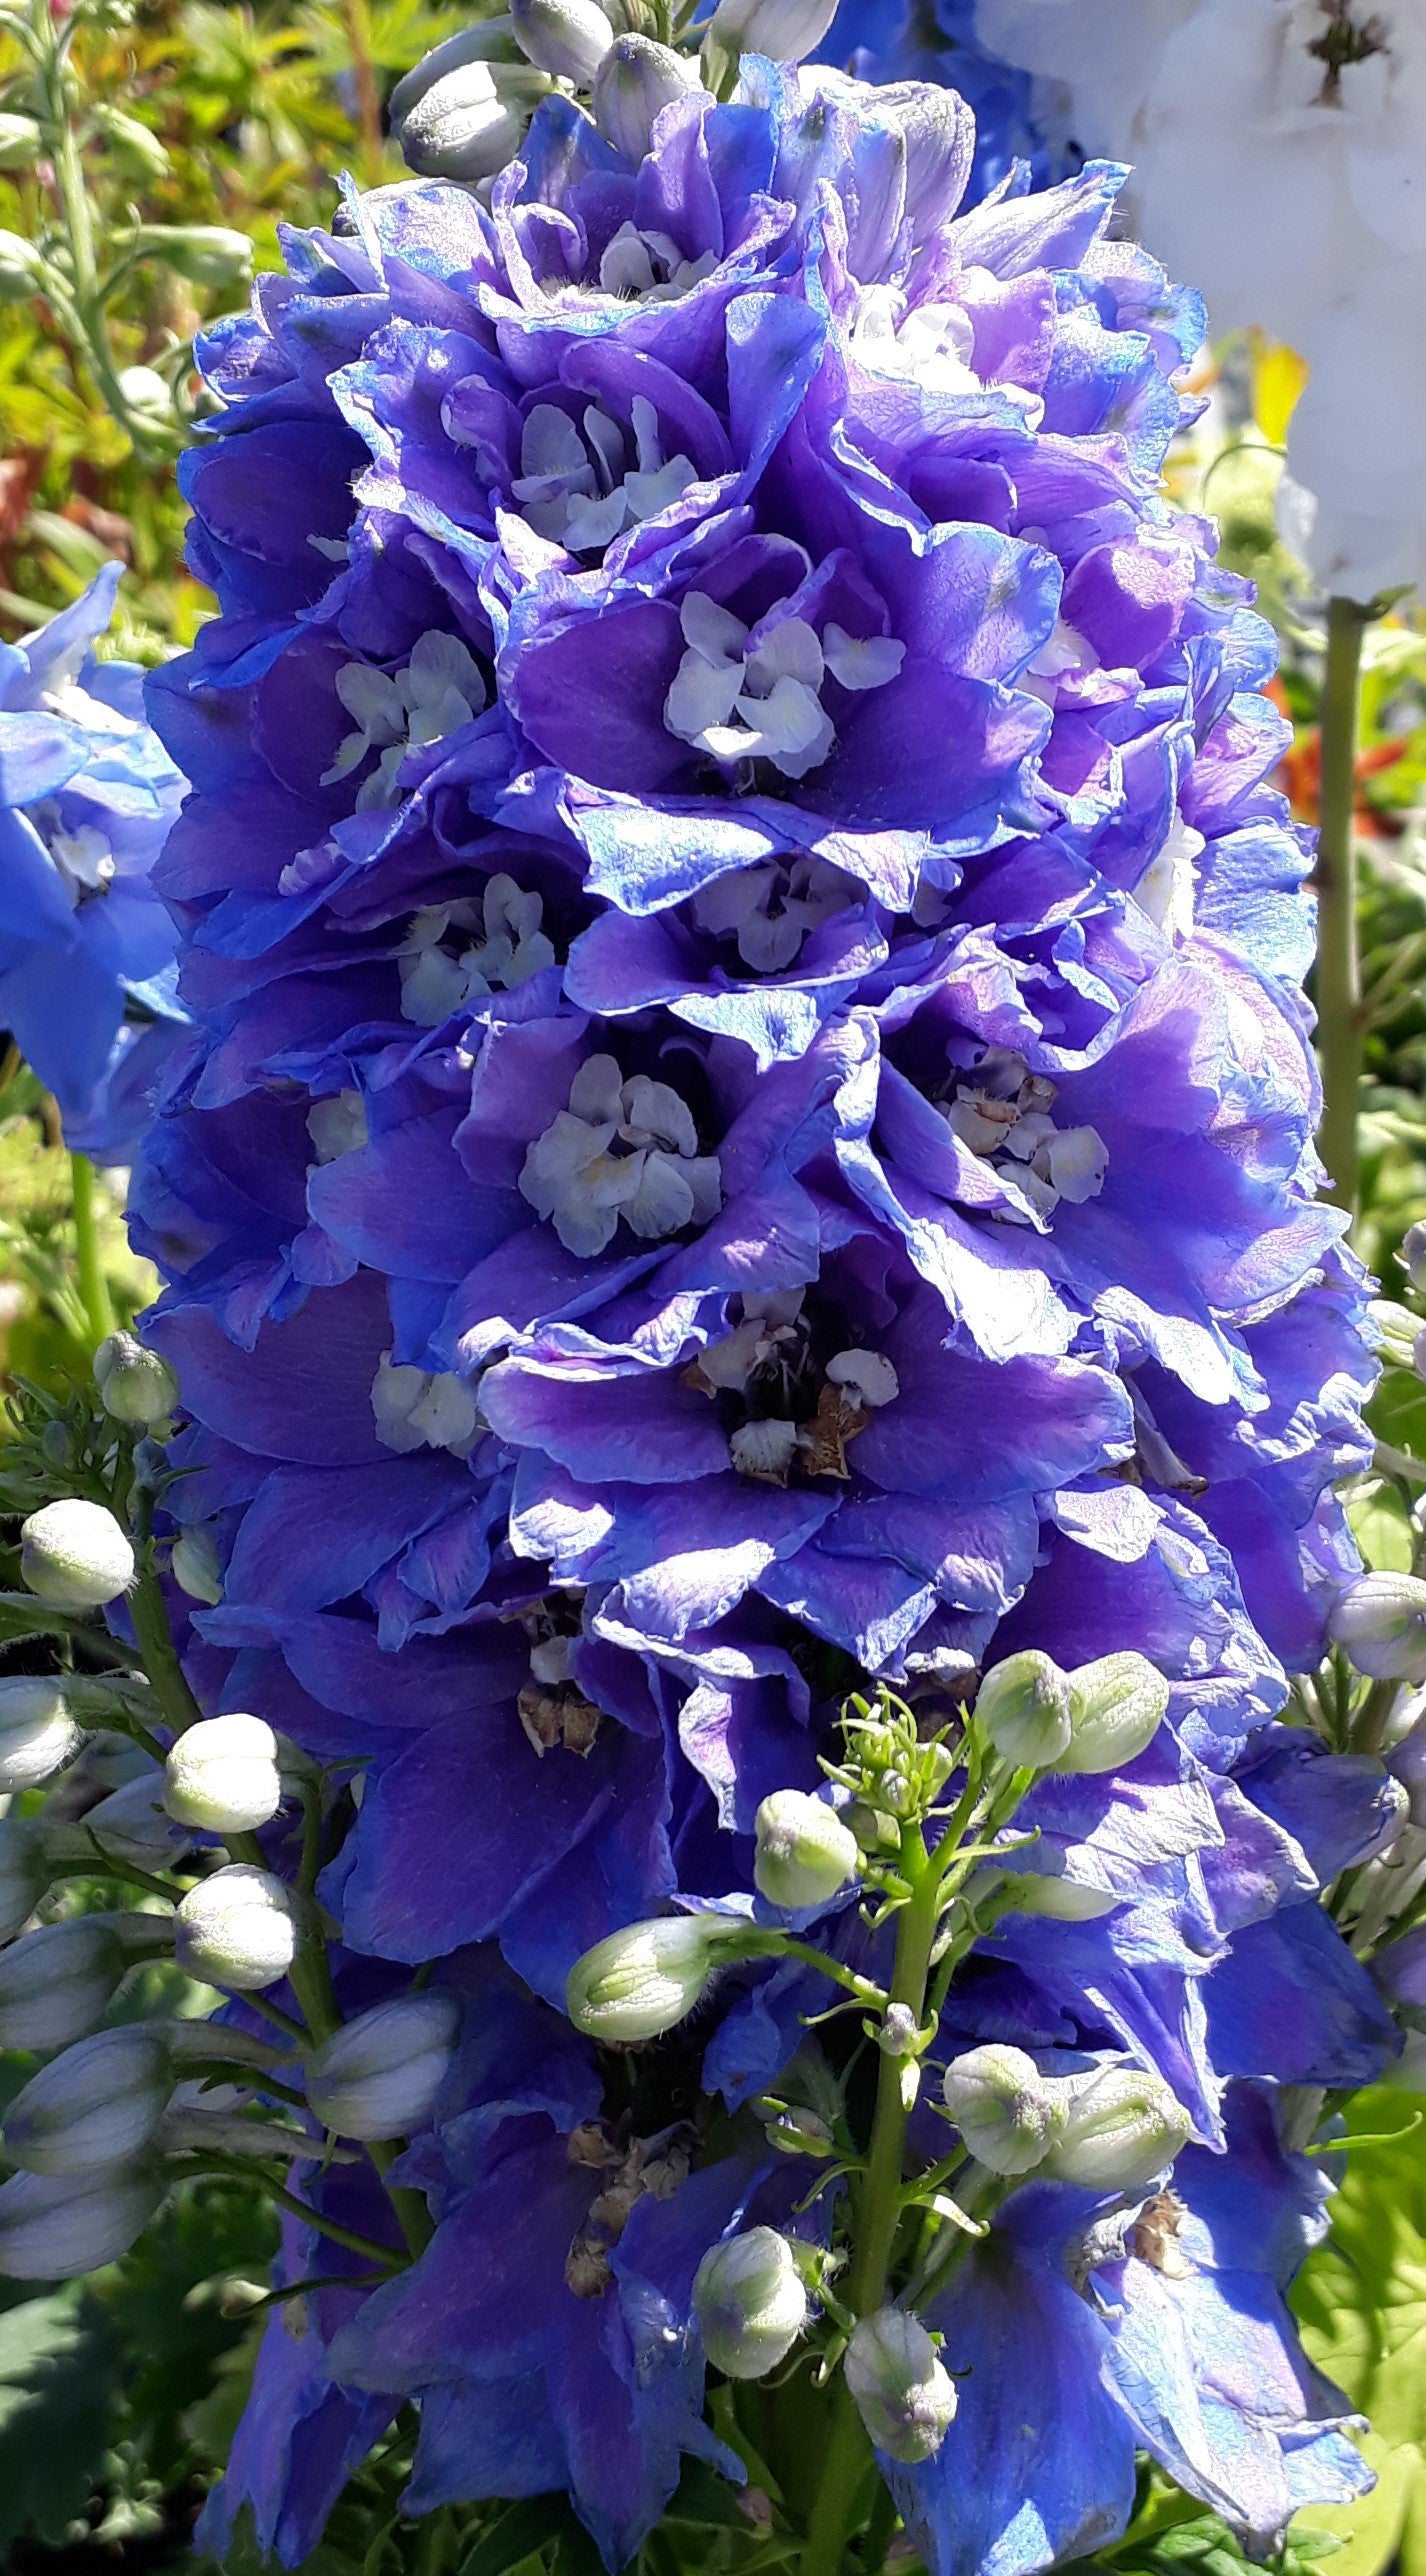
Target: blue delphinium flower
x=749, y=1129
x=87, y=793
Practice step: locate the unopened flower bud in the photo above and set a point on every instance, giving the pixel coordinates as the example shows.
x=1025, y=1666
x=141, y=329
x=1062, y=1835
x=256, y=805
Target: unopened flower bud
x=237, y=1929
x=1381, y=1621
x=1060, y=1900
x=1122, y=2126
x=1407, y=1763
x=58, y=1982
x=566, y=38
x=96, y=2104
x=378, y=2076
x=639, y=1982
x=55, y=2226
x=899, y=2032
x=24, y=1872
x=134, y=1384
x=1008, y=2115
x=132, y=1825
x=149, y=400
x=796, y=2131
x=1400, y=1971
x=463, y=126
x=636, y=80
x=1413, y=1254
x=750, y=2302
x=196, y=1566
x=940, y=142
x=22, y=270
x=37, y=1733
x=75, y=1555
x=20, y=142
x=785, y=30
x=904, y=2395
x=1117, y=1706
x=484, y=40
x=222, y=1775
x=805, y=1854
x=1023, y=1705
x=206, y=254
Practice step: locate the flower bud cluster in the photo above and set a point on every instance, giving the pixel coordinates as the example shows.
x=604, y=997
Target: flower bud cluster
x=1097, y=1718
x=1108, y=2127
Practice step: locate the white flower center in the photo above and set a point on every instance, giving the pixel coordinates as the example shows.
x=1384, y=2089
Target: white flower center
x=582, y=487
x=433, y=695
x=1165, y=891
x=1003, y=1115
x=1066, y=655
x=424, y=1409
x=337, y=1125
x=508, y=948
x=770, y=909
x=765, y=703
x=649, y=268
x=621, y=1149
x=767, y=1359
x=84, y=860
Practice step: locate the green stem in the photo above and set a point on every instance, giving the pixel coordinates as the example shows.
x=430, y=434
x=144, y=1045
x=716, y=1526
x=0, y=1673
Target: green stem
x=160, y=1655
x=93, y=1286
x=233, y=2168
x=1340, y=1028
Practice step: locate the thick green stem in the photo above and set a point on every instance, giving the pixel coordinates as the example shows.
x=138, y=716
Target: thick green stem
x=93, y=1286
x=1339, y=985
x=167, y=1678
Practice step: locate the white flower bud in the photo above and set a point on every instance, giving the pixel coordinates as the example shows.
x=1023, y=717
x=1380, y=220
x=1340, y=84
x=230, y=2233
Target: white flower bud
x=37, y=1733
x=378, y=2076
x=904, y=2395
x=940, y=139
x=487, y=40
x=1407, y=1763
x=237, y=1929
x=785, y=30
x=214, y=255
x=24, y=1872
x=134, y=1384
x=1381, y=1621
x=20, y=142
x=58, y=1982
x=636, y=80
x=1008, y=2115
x=75, y=1555
x=55, y=2226
x=1122, y=2126
x=462, y=126
x=1023, y=1704
x=96, y=2104
x=750, y=2302
x=1413, y=1254
x=222, y=1775
x=805, y=1854
x=566, y=38
x=639, y=1982
x=148, y=400
x=197, y=1567
x=1117, y=1706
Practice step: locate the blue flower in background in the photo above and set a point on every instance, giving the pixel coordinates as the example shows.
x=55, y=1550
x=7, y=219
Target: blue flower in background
x=87, y=794
x=1017, y=118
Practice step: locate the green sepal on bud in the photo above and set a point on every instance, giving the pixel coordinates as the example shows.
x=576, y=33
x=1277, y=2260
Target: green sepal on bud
x=805, y=1854
x=238, y=1930
x=638, y=1983
x=38, y=1733
x=1117, y=1706
x=74, y=1555
x=98, y=2103
x=903, y=2393
x=1122, y=2127
x=222, y=1775
x=379, y=2075
x=1007, y=2113
x=53, y=2227
x=636, y=81
x=750, y=2302
x=134, y=1384
x=566, y=38
x=1023, y=1707
x=58, y=1982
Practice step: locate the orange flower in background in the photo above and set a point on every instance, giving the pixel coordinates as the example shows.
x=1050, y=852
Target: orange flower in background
x=1300, y=773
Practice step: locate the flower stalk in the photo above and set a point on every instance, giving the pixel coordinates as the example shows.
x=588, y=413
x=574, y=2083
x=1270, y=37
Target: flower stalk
x=1340, y=1026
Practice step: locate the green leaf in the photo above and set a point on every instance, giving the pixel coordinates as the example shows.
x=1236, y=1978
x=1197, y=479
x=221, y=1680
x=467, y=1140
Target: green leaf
x=58, y=2401
x=518, y=2533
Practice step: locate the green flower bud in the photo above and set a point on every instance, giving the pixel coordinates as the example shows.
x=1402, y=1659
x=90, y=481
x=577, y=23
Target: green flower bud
x=805, y=1854
x=904, y=2396
x=206, y=254
x=134, y=1384
x=635, y=82
x=566, y=38
x=75, y=1555
x=1061, y=1900
x=222, y=1775
x=796, y=2131
x=24, y=1872
x=19, y=142
x=55, y=2226
x=378, y=2076
x=785, y=30
x=237, y=1929
x=1117, y=1706
x=149, y=399
x=639, y=1982
x=134, y=142
x=1381, y=1621
x=750, y=2303
x=1122, y=2126
x=196, y=1566
x=1008, y=2115
x=98, y=2103
x=1023, y=1704
x=37, y=1733
x=57, y=1983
